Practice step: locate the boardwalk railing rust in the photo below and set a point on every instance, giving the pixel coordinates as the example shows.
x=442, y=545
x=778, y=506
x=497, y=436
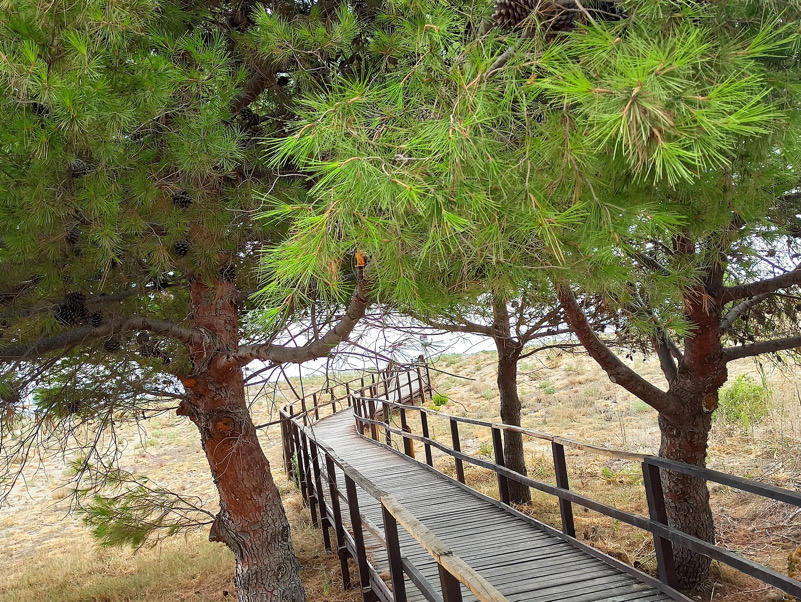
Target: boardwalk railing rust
x=379, y=427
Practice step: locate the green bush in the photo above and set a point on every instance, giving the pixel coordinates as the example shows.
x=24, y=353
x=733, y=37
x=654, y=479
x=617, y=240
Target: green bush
x=743, y=402
x=439, y=400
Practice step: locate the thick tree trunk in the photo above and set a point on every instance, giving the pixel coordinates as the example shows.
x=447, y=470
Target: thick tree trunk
x=686, y=497
x=510, y=414
x=251, y=521
x=508, y=354
x=685, y=434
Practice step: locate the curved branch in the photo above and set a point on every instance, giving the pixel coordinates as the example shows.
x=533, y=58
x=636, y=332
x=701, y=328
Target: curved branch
x=281, y=354
x=85, y=334
x=457, y=324
x=761, y=287
x=736, y=353
x=738, y=310
x=617, y=371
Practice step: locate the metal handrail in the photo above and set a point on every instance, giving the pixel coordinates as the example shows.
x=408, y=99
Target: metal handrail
x=299, y=438
x=664, y=535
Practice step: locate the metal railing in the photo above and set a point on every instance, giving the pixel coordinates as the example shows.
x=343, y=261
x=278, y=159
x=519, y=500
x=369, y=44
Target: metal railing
x=378, y=425
x=321, y=473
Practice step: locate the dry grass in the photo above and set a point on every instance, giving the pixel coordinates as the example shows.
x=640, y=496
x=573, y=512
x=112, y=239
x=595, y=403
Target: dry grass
x=568, y=395
x=48, y=554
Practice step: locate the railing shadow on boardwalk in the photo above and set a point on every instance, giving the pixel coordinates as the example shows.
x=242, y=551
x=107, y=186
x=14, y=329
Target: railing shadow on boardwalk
x=377, y=399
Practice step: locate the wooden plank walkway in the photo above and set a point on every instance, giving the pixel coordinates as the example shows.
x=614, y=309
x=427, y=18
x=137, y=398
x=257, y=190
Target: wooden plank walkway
x=522, y=561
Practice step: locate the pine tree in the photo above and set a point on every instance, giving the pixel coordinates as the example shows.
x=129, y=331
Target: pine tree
x=130, y=179
x=645, y=158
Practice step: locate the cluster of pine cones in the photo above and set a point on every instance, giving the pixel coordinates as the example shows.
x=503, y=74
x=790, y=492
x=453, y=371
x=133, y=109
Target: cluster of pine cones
x=553, y=15
x=72, y=312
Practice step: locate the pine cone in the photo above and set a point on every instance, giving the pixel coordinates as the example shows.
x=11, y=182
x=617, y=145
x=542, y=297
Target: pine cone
x=181, y=199
x=181, y=248
x=553, y=15
x=72, y=234
x=228, y=273
x=79, y=168
x=40, y=109
x=73, y=311
x=96, y=319
x=111, y=344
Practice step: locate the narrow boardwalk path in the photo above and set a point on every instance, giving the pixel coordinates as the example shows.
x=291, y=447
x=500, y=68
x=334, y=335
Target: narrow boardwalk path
x=522, y=561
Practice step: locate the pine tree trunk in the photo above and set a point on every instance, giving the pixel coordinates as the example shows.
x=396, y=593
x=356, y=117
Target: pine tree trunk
x=251, y=521
x=686, y=497
x=510, y=414
x=685, y=435
x=508, y=354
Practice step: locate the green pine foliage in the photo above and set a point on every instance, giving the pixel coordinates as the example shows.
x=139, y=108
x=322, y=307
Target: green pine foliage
x=108, y=113
x=462, y=163
x=125, y=172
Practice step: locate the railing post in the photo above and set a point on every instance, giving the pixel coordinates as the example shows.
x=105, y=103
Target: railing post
x=305, y=411
x=565, y=506
x=325, y=521
x=656, y=508
x=394, y=555
x=428, y=378
x=457, y=446
x=371, y=412
x=398, y=388
x=312, y=497
x=347, y=393
x=333, y=401
x=503, y=482
x=387, y=410
x=358, y=539
x=315, y=401
x=286, y=447
x=339, y=530
x=420, y=385
x=426, y=444
x=408, y=444
x=301, y=463
x=451, y=588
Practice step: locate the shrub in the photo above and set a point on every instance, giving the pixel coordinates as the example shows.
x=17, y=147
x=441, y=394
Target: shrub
x=743, y=402
x=439, y=400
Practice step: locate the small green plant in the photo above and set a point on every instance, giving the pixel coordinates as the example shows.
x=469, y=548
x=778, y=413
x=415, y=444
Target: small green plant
x=743, y=402
x=439, y=400
x=488, y=393
x=547, y=388
x=486, y=450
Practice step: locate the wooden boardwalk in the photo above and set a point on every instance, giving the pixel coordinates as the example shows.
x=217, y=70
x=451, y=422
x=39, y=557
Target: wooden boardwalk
x=519, y=557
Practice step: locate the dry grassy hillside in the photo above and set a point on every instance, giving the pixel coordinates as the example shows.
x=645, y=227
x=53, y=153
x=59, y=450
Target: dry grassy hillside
x=569, y=396
x=49, y=555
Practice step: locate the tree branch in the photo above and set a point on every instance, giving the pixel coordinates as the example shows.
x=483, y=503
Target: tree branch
x=85, y=334
x=665, y=355
x=459, y=325
x=281, y=354
x=761, y=287
x=738, y=310
x=736, y=353
x=617, y=371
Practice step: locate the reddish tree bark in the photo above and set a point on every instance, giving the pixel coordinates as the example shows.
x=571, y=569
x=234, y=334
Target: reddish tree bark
x=251, y=520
